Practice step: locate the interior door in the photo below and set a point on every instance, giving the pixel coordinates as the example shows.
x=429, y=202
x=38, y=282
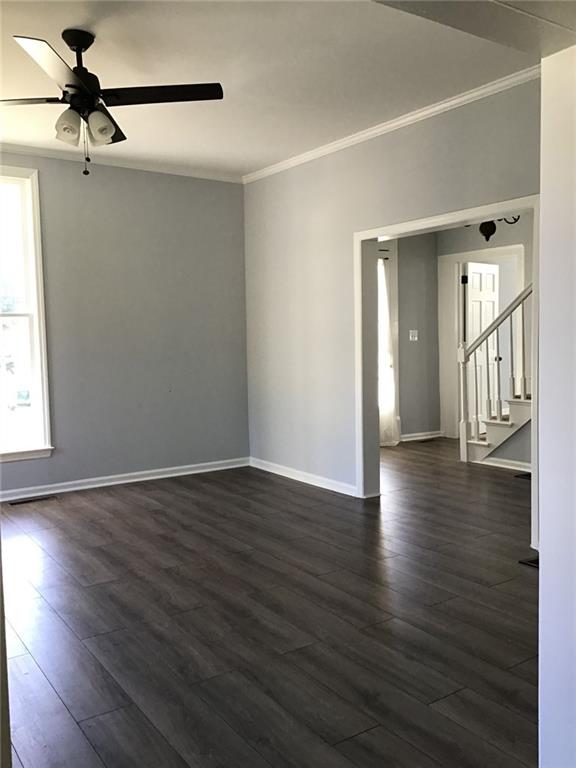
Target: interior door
x=482, y=307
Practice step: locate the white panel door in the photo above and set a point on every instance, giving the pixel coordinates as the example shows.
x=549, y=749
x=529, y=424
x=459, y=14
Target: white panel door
x=482, y=307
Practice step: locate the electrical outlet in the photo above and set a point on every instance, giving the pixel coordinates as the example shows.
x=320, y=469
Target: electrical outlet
x=413, y=335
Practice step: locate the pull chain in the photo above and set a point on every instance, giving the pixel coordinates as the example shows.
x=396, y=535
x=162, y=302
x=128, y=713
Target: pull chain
x=87, y=159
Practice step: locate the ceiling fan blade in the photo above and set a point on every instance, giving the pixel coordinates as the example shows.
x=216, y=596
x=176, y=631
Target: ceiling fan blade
x=48, y=60
x=161, y=94
x=25, y=102
x=118, y=135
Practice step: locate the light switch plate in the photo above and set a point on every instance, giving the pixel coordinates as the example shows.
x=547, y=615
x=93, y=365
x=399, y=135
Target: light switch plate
x=413, y=335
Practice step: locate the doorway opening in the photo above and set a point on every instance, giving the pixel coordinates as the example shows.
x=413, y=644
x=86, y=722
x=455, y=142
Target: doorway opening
x=431, y=309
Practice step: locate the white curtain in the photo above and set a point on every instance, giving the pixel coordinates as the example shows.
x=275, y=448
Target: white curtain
x=389, y=420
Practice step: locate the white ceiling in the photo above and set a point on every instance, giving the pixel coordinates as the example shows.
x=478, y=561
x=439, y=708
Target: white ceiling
x=296, y=75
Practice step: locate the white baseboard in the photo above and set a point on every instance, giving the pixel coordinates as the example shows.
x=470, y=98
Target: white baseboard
x=188, y=469
x=129, y=477
x=304, y=477
x=214, y=466
x=520, y=466
x=420, y=436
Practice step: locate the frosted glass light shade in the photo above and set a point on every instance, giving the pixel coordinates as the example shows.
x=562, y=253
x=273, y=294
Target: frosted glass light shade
x=101, y=128
x=68, y=127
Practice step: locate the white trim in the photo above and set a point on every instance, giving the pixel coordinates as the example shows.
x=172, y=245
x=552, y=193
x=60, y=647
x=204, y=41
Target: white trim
x=31, y=176
x=359, y=369
x=129, y=477
x=27, y=453
x=40, y=308
x=118, y=162
x=215, y=466
x=420, y=226
x=534, y=455
x=414, y=436
x=303, y=477
x=496, y=86
x=522, y=466
x=188, y=469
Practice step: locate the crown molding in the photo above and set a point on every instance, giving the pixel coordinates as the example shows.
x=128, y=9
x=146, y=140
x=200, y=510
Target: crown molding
x=489, y=89
x=116, y=162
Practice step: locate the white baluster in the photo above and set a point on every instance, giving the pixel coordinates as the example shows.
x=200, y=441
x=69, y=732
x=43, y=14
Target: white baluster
x=512, y=369
x=475, y=418
x=464, y=428
x=488, y=397
x=498, y=378
x=523, y=390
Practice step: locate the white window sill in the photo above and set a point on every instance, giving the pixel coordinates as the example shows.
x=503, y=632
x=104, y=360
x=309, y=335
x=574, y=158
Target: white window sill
x=29, y=453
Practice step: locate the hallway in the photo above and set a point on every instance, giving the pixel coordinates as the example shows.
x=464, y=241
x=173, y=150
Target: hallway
x=242, y=619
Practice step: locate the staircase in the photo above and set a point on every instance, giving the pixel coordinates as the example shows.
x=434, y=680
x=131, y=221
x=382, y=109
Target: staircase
x=495, y=398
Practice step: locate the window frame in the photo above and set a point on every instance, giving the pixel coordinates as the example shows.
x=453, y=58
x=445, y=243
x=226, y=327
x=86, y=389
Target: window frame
x=28, y=177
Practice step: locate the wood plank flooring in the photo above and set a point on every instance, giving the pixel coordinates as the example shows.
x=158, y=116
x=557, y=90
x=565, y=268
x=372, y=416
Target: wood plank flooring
x=241, y=620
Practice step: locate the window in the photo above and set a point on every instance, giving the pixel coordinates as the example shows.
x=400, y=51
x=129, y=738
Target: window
x=24, y=418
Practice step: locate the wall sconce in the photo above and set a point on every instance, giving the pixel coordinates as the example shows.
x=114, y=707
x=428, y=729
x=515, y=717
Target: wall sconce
x=488, y=228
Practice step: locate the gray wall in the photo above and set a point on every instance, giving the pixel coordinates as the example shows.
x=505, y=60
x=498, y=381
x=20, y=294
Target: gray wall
x=418, y=310
x=299, y=246
x=518, y=447
x=145, y=309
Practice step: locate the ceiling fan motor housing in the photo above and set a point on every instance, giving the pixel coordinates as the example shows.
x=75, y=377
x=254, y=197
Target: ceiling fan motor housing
x=78, y=40
x=84, y=101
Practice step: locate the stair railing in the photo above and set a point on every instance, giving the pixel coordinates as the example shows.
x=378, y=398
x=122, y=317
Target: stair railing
x=475, y=410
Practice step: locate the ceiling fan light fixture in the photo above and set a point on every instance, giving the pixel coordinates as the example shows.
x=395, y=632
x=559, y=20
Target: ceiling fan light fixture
x=101, y=128
x=88, y=101
x=68, y=127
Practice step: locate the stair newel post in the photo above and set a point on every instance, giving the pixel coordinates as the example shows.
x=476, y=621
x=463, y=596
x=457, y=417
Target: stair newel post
x=488, y=377
x=464, y=429
x=523, y=389
x=476, y=416
x=498, y=378
x=512, y=369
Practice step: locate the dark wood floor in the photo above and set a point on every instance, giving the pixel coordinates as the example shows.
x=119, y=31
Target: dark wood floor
x=238, y=619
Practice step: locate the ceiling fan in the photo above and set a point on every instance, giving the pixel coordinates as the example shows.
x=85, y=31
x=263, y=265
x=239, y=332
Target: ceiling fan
x=85, y=98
